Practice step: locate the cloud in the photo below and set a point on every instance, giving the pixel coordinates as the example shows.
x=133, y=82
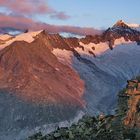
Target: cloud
x=60, y=15
x=21, y=11
x=32, y=7
x=23, y=23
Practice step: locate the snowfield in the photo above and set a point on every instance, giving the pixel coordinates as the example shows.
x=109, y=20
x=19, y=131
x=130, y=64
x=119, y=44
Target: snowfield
x=27, y=37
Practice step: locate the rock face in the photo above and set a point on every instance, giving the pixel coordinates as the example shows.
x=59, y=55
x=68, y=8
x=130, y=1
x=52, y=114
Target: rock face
x=105, y=71
x=34, y=70
x=120, y=29
x=35, y=88
x=45, y=74
x=133, y=92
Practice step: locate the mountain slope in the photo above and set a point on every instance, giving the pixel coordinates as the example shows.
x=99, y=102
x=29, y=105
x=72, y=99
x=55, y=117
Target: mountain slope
x=105, y=71
x=47, y=78
x=22, y=63
x=124, y=124
x=35, y=88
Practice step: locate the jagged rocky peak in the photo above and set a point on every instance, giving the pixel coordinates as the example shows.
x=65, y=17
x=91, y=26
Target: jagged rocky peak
x=48, y=35
x=120, y=23
x=123, y=28
x=55, y=40
x=119, y=33
x=120, y=30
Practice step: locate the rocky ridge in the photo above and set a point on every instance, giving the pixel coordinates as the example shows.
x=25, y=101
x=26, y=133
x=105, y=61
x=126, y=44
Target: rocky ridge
x=47, y=74
x=121, y=126
x=33, y=85
x=120, y=29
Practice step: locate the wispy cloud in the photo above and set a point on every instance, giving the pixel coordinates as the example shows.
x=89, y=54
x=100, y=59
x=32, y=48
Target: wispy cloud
x=32, y=7
x=20, y=13
x=22, y=23
x=60, y=15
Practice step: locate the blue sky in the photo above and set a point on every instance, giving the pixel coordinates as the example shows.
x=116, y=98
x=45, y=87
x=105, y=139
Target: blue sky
x=72, y=16
x=96, y=13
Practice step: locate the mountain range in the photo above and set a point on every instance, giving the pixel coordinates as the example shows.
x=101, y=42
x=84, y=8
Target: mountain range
x=47, y=78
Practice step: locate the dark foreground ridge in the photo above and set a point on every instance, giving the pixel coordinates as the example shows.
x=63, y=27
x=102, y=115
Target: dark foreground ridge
x=124, y=125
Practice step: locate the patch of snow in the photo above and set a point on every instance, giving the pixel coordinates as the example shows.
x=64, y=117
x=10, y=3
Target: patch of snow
x=4, y=37
x=120, y=41
x=109, y=70
x=57, y=69
x=66, y=57
x=27, y=37
x=134, y=26
x=63, y=56
x=97, y=49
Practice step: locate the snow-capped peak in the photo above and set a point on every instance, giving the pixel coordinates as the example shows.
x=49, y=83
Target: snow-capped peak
x=120, y=23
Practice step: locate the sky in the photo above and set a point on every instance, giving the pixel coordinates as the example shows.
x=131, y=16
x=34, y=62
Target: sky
x=74, y=16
